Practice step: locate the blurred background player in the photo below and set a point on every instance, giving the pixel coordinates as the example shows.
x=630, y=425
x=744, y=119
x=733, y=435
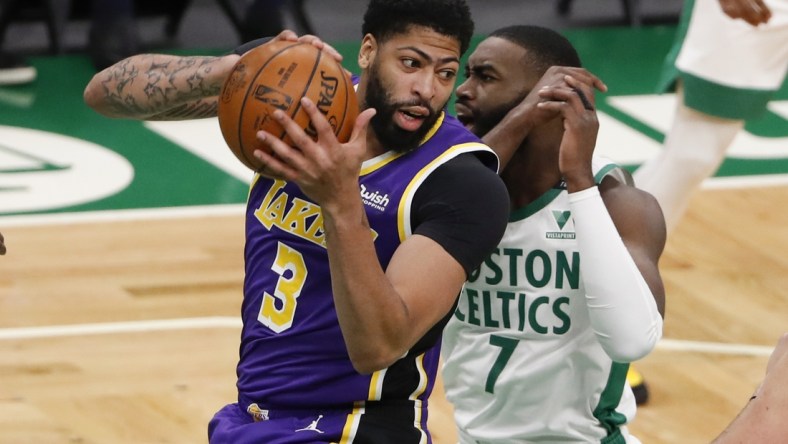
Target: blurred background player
x=730, y=57
x=539, y=346
x=113, y=32
x=262, y=18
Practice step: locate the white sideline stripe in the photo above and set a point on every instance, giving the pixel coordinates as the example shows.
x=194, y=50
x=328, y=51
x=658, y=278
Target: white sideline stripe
x=714, y=347
x=735, y=182
x=123, y=215
x=27, y=220
x=119, y=327
x=233, y=322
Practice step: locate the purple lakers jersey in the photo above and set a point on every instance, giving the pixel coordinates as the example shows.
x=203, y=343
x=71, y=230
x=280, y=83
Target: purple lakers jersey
x=292, y=352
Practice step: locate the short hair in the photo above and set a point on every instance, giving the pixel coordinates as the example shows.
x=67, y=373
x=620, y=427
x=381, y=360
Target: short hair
x=386, y=18
x=545, y=47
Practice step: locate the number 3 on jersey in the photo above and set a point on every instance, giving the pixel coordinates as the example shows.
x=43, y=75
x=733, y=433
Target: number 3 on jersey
x=288, y=289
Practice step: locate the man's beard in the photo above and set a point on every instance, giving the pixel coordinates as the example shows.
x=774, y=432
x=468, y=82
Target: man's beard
x=482, y=124
x=389, y=134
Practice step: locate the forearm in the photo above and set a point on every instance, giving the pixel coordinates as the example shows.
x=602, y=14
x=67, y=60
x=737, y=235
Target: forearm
x=507, y=136
x=621, y=306
x=370, y=312
x=159, y=87
x=761, y=420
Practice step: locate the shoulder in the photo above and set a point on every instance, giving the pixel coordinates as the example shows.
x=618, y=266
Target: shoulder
x=464, y=183
x=615, y=191
x=455, y=139
x=633, y=209
x=468, y=171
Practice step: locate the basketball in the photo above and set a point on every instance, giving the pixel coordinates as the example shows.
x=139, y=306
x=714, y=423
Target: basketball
x=275, y=76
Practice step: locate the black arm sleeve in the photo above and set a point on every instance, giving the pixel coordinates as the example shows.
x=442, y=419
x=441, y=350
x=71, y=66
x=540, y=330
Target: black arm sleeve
x=241, y=50
x=464, y=207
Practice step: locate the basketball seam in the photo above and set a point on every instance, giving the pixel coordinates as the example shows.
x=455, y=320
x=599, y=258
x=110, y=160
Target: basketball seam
x=246, y=97
x=348, y=89
x=306, y=88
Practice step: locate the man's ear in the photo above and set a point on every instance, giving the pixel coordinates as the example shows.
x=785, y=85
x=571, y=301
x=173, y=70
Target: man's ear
x=367, y=52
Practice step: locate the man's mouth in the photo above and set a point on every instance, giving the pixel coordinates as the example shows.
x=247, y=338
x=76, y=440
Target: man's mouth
x=412, y=117
x=464, y=114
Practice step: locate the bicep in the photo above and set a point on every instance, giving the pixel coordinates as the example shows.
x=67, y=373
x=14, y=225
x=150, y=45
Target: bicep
x=641, y=225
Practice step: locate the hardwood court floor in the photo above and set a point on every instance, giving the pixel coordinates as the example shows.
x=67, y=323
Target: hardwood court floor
x=127, y=331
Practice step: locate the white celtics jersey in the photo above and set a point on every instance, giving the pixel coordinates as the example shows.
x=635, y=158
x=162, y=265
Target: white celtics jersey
x=521, y=363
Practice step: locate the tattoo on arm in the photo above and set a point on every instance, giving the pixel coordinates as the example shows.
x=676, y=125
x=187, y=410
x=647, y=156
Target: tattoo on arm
x=162, y=87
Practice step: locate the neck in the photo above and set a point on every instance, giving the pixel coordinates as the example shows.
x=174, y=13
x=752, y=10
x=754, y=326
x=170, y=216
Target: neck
x=374, y=147
x=530, y=174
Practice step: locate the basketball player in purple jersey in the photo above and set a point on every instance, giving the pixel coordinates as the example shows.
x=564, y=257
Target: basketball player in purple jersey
x=355, y=253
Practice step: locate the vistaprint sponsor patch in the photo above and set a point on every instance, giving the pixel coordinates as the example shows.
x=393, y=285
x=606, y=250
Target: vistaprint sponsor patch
x=561, y=219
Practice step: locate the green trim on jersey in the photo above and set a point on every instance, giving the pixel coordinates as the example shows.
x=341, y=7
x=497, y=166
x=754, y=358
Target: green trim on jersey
x=724, y=101
x=614, y=438
x=535, y=206
x=667, y=78
x=606, y=412
x=604, y=171
x=543, y=200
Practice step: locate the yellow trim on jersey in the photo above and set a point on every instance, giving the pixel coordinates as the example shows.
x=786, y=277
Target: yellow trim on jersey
x=422, y=378
x=389, y=156
x=379, y=162
x=351, y=425
x=434, y=129
x=255, y=179
x=376, y=385
x=403, y=222
x=415, y=395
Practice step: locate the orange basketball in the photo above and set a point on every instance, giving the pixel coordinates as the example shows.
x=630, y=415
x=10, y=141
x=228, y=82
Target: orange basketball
x=275, y=76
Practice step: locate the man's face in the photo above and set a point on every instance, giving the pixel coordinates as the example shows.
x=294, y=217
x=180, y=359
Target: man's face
x=410, y=78
x=497, y=79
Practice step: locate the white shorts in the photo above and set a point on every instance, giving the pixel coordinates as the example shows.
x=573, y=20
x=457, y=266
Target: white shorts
x=728, y=67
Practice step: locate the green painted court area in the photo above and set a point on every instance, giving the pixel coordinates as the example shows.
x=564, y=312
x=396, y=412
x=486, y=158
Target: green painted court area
x=59, y=156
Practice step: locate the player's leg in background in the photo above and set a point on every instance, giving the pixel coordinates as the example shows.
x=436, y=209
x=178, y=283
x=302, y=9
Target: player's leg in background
x=694, y=148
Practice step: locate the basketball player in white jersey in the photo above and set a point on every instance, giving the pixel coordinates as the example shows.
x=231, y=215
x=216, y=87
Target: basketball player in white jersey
x=541, y=340
x=730, y=57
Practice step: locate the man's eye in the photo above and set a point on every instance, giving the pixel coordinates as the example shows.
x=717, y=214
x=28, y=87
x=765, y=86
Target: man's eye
x=410, y=63
x=448, y=74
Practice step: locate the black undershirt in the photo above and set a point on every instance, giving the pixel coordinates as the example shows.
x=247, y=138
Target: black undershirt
x=440, y=209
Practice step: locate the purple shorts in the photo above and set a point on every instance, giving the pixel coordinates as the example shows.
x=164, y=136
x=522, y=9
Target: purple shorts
x=374, y=424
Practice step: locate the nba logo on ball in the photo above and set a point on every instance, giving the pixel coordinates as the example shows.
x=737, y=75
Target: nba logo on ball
x=273, y=98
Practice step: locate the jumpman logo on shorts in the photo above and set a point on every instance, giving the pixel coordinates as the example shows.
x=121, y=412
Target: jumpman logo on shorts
x=312, y=427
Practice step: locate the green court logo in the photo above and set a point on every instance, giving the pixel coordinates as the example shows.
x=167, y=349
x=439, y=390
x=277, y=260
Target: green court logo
x=44, y=171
